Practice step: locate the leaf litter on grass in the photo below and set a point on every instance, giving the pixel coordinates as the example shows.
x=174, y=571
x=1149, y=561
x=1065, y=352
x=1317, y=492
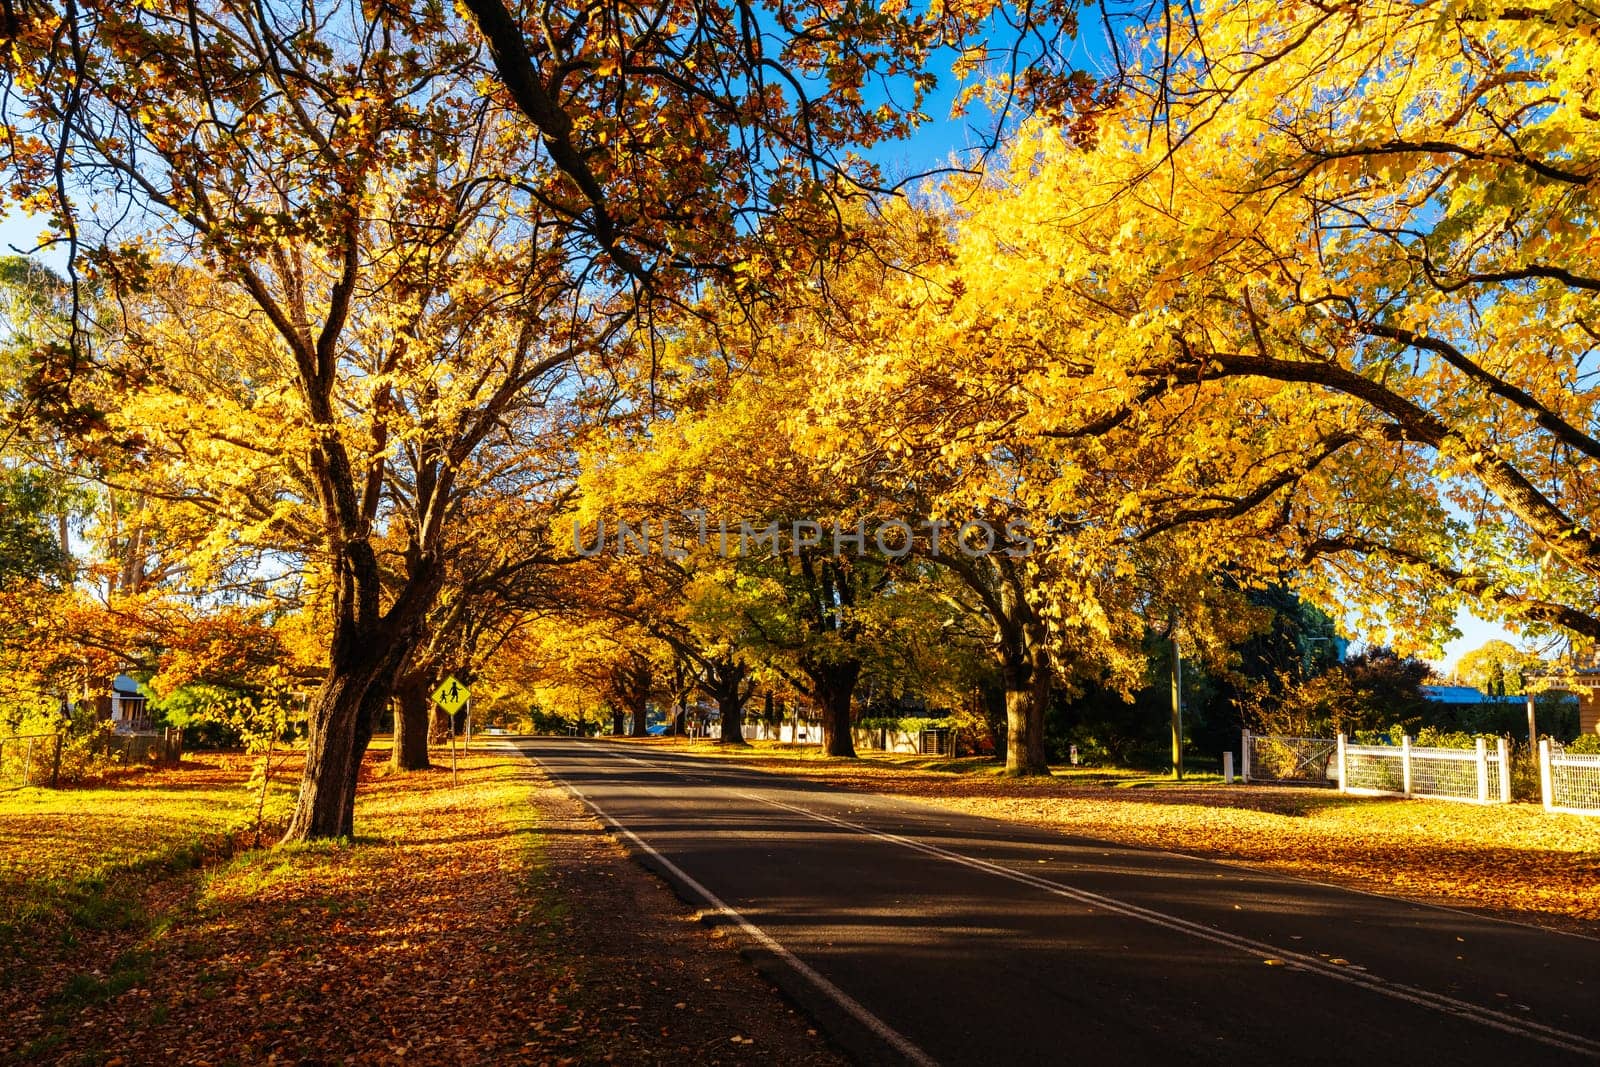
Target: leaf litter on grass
x=448, y=932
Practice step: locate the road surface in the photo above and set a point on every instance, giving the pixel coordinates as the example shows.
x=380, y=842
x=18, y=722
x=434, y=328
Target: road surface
x=918, y=935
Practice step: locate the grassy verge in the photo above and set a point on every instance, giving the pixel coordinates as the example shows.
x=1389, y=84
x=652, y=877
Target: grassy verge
x=351, y=950
x=74, y=859
x=1511, y=859
x=87, y=876
x=455, y=928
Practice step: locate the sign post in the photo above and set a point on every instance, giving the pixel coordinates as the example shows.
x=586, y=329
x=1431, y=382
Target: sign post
x=450, y=696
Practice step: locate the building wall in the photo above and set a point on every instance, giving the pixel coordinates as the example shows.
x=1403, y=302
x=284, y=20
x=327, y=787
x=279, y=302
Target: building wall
x=1588, y=711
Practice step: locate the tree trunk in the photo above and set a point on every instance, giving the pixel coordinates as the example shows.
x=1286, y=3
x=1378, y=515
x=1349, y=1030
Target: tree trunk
x=619, y=726
x=361, y=679
x=1026, y=673
x=331, y=744
x=992, y=705
x=834, y=684
x=438, y=725
x=732, y=709
x=64, y=534
x=412, y=720
x=641, y=717
x=730, y=697
x=680, y=721
x=377, y=698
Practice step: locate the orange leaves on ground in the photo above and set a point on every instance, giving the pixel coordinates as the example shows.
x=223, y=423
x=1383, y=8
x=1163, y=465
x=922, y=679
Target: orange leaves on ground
x=454, y=931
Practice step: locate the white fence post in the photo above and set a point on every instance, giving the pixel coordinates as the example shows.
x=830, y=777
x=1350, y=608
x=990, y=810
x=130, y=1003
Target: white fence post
x=1244, y=754
x=1483, y=771
x=1505, y=770
x=1227, y=768
x=1344, y=778
x=1405, y=764
x=1546, y=781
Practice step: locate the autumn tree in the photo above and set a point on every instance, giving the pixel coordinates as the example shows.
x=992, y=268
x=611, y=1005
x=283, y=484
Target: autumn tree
x=29, y=549
x=774, y=543
x=1498, y=668
x=503, y=556
x=286, y=152
x=1328, y=266
x=1422, y=253
x=712, y=139
x=340, y=281
x=930, y=379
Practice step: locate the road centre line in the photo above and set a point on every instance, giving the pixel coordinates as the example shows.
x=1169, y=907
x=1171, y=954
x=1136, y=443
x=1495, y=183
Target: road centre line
x=1438, y=1002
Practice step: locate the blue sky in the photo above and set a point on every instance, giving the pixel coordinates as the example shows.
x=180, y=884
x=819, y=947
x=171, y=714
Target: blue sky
x=20, y=234
x=1475, y=632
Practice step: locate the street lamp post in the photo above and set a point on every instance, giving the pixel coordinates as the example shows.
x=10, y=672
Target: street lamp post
x=1177, y=704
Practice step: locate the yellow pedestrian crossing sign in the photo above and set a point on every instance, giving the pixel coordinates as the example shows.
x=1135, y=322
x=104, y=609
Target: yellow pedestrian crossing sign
x=450, y=695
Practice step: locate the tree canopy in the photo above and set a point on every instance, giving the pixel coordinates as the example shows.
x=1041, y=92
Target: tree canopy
x=377, y=319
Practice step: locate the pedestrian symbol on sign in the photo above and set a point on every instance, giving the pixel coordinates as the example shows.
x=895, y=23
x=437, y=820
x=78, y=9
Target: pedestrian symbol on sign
x=451, y=695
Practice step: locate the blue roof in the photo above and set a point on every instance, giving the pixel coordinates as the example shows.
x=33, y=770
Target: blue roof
x=1467, y=694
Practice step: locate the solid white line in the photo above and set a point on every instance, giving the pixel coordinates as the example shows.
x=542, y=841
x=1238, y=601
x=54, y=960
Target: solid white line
x=882, y=1030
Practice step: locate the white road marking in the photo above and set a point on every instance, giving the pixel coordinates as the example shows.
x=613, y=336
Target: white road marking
x=1259, y=949
x=882, y=1030
x=1439, y=1002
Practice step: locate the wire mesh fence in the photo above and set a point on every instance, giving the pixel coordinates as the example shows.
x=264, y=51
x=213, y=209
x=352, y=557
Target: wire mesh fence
x=1570, y=781
x=26, y=759
x=1288, y=760
x=155, y=746
x=1373, y=769
x=65, y=757
x=1480, y=775
x=1457, y=774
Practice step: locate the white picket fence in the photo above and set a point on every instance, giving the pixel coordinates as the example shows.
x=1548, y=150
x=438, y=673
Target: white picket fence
x=788, y=732
x=1478, y=775
x=1569, y=782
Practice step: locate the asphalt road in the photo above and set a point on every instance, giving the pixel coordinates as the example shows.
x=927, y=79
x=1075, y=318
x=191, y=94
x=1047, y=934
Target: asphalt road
x=914, y=934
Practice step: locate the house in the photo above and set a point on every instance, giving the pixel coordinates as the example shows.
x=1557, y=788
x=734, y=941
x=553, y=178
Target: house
x=124, y=707
x=1581, y=680
x=1582, y=687
x=1585, y=685
x=1467, y=694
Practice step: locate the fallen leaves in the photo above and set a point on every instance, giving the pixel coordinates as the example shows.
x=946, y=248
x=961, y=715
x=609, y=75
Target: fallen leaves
x=494, y=922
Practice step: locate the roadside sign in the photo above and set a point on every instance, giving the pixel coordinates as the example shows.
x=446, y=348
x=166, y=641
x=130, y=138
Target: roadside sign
x=451, y=695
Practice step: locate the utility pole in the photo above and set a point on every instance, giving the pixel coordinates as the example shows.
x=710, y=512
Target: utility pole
x=1177, y=704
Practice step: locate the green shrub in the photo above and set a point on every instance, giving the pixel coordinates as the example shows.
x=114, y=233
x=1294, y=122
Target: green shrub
x=1432, y=737
x=909, y=724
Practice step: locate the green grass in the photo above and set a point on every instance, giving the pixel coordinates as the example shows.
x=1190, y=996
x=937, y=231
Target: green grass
x=73, y=859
